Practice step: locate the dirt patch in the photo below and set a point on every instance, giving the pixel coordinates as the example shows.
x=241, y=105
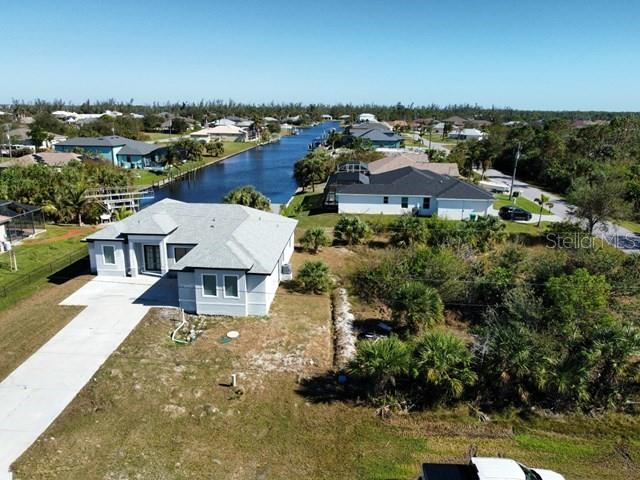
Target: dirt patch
x=69, y=234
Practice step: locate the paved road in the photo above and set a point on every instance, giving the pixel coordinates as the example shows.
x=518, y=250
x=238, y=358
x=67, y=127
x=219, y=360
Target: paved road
x=616, y=235
x=36, y=392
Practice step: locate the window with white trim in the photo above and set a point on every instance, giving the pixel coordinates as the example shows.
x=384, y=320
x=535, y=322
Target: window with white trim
x=231, y=286
x=109, y=254
x=209, y=285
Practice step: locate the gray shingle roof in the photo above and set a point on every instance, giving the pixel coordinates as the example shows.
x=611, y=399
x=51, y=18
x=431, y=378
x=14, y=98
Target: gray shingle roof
x=411, y=181
x=376, y=135
x=225, y=236
x=129, y=147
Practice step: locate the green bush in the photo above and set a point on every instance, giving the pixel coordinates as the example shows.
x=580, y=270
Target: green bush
x=351, y=230
x=313, y=277
x=314, y=239
x=408, y=230
x=416, y=306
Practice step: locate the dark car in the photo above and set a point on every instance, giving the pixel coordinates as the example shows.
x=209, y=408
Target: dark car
x=509, y=212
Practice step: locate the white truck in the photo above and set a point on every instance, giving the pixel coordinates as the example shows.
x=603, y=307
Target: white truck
x=484, y=468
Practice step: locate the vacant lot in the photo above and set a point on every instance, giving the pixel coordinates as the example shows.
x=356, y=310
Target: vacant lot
x=156, y=410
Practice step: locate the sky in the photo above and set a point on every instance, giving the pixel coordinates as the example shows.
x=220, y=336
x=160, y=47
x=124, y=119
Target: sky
x=535, y=54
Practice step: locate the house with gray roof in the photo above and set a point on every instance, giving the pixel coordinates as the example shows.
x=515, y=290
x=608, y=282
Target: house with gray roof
x=226, y=259
x=413, y=191
x=122, y=152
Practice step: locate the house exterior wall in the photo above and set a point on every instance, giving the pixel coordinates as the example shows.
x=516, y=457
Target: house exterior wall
x=108, y=153
x=119, y=269
x=460, y=209
x=171, y=256
x=187, y=291
x=374, y=204
x=221, y=305
x=136, y=265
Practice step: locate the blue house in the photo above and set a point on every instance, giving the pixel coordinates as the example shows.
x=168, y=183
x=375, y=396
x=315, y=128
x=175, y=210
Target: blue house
x=120, y=151
x=380, y=138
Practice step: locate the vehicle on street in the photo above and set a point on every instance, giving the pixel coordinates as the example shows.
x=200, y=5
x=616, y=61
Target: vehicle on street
x=486, y=468
x=510, y=212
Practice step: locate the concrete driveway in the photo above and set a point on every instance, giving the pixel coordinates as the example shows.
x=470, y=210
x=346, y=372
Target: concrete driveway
x=36, y=392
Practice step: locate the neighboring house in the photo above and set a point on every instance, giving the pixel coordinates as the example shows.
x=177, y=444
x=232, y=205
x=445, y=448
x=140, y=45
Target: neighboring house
x=120, y=151
x=466, y=134
x=227, y=259
x=326, y=116
x=367, y=117
x=416, y=160
x=18, y=221
x=224, y=122
x=226, y=133
x=20, y=139
x=51, y=159
x=380, y=138
x=456, y=121
x=438, y=128
x=413, y=191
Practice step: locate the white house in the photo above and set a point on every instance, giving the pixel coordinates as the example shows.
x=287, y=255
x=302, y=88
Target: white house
x=227, y=259
x=226, y=133
x=414, y=191
x=466, y=134
x=367, y=117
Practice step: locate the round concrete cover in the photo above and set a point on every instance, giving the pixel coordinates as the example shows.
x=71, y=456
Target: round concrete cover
x=233, y=334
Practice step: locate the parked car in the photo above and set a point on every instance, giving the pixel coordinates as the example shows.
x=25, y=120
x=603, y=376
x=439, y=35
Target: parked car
x=483, y=468
x=510, y=212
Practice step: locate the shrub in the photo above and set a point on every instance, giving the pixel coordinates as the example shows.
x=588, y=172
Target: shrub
x=408, y=230
x=351, y=230
x=314, y=239
x=442, y=362
x=379, y=362
x=314, y=277
x=416, y=306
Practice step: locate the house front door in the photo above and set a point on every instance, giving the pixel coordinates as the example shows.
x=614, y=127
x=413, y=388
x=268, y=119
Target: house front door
x=152, y=258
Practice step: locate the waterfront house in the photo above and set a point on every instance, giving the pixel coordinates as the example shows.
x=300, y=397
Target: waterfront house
x=413, y=191
x=395, y=161
x=226, y=259
x=379, y=137
x=119, y=151
x=226, y=133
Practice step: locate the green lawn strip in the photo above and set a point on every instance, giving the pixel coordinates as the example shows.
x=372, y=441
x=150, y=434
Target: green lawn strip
x=524, y=203
x=44, y=251
x=630, y=225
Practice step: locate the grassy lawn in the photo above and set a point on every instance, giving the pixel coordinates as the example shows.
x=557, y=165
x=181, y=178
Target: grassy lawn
x=524, y=203
x=157, y=410
x=51, y=246
x=147, y=177
x=307, y=208
x=629, y=225
x=154, y=136
x=33, y=320
x=526, y=228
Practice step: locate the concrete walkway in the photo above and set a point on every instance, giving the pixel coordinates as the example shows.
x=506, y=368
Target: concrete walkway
x=36, y=392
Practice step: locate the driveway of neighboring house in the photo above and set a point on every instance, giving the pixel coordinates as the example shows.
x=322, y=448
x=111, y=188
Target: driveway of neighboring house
x=36, y=392
x=616, y=235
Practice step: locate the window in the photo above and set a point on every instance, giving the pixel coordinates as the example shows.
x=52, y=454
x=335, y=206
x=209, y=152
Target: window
x=404, y=202
x=209, y=286
x=109, y=254
x=230, y=286
x=385, y=200
x=426, y=203
x=179, y=252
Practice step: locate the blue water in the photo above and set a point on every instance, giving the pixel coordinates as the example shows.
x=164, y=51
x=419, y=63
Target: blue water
x=268, y=168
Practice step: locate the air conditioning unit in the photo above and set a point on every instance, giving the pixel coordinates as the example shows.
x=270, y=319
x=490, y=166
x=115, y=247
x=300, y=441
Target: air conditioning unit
x=285, y=272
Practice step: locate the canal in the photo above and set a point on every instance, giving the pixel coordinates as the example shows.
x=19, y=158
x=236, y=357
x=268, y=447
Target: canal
x=268, y=168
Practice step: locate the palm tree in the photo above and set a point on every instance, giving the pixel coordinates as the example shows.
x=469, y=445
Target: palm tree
x=443, y=362
x=76, y=201
x=314, y=239
x=351, y=229
x=408, y=230
x=417, y=306
x=543, y=201
x=380, y=362
x=249, y=197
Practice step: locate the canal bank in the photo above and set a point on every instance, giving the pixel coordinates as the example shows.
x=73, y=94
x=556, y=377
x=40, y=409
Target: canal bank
x=269, y=168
